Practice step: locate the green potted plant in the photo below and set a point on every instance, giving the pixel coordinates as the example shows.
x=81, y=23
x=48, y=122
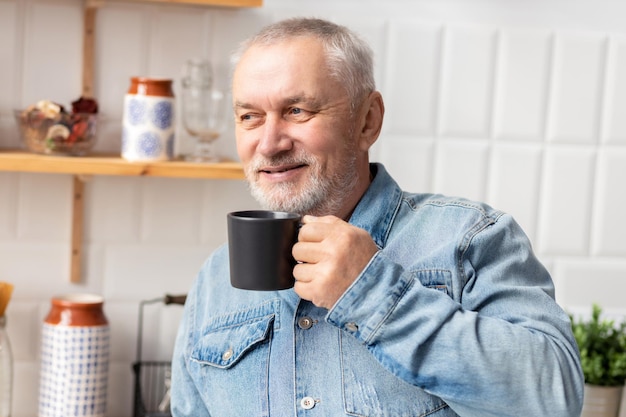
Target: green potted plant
x=602, y=345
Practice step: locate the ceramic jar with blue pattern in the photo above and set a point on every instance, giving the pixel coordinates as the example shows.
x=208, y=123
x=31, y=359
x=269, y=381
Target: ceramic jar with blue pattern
x=148, y=122
x=74, y=358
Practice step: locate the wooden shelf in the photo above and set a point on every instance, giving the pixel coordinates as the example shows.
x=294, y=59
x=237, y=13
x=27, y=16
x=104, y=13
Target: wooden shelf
x=84, y=166
x=20, y=161
x=221, y=3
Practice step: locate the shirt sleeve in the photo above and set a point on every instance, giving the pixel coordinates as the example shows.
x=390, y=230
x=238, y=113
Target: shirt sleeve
x=495, y=344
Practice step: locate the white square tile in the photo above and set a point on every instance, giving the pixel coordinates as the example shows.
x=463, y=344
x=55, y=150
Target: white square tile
x=592, y=281
x=120, y=390
x=218, y=199
x=514, y=179
x=45, y=207
x=608, y=225
x=411, y=77
x=613, y=121
x=466, y=81
x=122, y=317
x=10, y=67
x=117, y=222
x=9, y=137
x=521, y=84
x=576, y=88
x=461, y=168
x=23, y=325
x=119, y=54
x=53, y=50
x=410, y=161
x=40, y=270
x=25, y=389
x=171, y=210
x=565, y=201
x=178, y=34
x=146, y=271
x=8, y=207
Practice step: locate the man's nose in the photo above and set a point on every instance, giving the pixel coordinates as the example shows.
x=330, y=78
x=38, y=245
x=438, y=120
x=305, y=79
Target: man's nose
x=273, y=137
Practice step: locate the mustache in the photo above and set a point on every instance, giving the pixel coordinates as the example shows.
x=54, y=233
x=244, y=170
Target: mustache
x=260, y=162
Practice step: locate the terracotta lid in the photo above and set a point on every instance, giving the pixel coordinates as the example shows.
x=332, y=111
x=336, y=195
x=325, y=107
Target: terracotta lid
x=77, y=310
x=161, y=87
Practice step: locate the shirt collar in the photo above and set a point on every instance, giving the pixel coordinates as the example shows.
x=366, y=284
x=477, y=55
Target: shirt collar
x=378, y=206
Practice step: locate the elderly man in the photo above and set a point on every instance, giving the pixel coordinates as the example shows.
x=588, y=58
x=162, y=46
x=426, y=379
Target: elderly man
x=404, y=304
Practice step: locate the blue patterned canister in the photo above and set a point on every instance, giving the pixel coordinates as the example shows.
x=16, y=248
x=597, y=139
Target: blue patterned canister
x=74, y=358
x=148, y=121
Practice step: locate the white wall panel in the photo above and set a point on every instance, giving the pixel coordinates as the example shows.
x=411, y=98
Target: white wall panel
x=513, y=184
x=131, y=270
x=26, y=389
x=120, y=390
x=105, y=222
x=576, y=88
x=609, y=226
x=595, y=281
x=466, y=81
x=566, y=201
x=218, y=199
x=58, y=51
x=614, y=122
x=9, y=55
x=409, y=161
x=120, y=54
x=8, y=205
x=170, y=211
x=412, y=78
x=124, y=333
x=461, y=168
x=39, y=270
x=44, y=207
x=521, y=84
x=178, y=34
x=23, y=323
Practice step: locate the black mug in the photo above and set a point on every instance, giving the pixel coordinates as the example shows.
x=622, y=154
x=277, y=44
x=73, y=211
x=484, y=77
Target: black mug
x=259, y=247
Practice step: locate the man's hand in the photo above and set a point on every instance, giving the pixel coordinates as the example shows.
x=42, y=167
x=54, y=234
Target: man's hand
x=331, y=254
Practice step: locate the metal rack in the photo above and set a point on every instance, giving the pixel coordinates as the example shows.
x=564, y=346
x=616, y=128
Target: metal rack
x=152, y=378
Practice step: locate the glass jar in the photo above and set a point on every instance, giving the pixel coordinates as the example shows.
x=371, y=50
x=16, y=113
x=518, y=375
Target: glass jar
x=6, y=370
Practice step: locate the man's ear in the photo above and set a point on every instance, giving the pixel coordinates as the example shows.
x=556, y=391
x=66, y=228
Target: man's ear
x=371, y=120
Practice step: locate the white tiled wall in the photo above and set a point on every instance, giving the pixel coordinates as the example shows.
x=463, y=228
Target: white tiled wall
x=520, y=104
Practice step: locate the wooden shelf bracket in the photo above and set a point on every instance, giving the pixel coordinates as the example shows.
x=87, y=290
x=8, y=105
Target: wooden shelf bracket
x=78, y=205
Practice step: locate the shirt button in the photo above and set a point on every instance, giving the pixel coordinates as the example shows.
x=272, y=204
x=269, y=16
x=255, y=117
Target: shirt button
x=352, y=327
x=305, y=323
x=307, y=403
x=227, y=355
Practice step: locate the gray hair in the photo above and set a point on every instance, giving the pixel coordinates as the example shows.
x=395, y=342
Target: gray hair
x=349, y=58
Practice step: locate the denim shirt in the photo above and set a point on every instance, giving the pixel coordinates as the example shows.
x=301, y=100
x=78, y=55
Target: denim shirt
x=453, y=316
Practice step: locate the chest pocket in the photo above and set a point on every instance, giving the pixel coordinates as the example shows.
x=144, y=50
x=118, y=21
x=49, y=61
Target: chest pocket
x=436, y=279
x=223, y=347
x=230, y=349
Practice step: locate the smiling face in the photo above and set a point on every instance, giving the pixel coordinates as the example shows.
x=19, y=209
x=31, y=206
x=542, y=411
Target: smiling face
x=301, y=148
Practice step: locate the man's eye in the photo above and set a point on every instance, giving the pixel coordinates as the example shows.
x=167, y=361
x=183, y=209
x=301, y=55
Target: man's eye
x=249, y=120
x=298, y=114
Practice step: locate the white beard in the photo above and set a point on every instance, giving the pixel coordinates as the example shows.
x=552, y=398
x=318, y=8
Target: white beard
x=318, y=196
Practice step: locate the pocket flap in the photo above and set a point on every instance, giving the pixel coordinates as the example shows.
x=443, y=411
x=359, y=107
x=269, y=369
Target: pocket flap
x=224, y=346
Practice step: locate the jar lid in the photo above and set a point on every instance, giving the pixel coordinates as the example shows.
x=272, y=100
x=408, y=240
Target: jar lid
x=78, y=299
